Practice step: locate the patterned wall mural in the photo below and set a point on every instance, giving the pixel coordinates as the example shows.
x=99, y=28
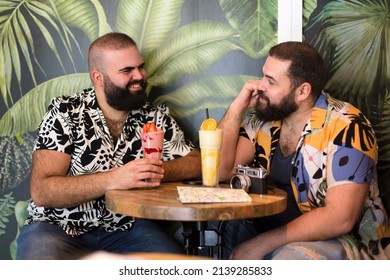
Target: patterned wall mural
x=198, y=54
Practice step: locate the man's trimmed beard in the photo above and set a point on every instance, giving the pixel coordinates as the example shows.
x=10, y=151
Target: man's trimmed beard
x=276, y=112
x=123, y=99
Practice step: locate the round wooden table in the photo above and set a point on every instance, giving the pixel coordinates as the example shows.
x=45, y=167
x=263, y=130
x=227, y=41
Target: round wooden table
x=162, y=204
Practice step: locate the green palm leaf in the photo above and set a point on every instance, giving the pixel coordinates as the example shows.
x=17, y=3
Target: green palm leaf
x=215, y=92
x=6, y=209
x=86, y=15
x=148, y=22
x=190, y=50
x=383, y=133
x=308, y=8
x=15, y=161
x=17, y=40
x=358, y=34
x=24, y=117
x=256, y=22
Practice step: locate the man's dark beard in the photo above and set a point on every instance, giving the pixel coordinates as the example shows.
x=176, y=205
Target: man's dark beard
x=123, y=99
x=276, y=112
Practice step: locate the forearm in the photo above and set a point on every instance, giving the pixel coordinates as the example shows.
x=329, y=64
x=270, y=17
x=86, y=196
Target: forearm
x=315, y=225
x=298, y=230
x=230, y=125
x=181, y=168
x=343, y=208
x=318, y=224
x=66, y=191
x=50, y=186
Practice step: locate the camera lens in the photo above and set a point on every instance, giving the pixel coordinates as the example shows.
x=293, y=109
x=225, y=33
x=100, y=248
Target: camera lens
x=240, y=182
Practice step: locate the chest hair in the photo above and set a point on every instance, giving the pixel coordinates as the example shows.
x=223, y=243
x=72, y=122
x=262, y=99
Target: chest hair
x=115, y=127
x=289, y=137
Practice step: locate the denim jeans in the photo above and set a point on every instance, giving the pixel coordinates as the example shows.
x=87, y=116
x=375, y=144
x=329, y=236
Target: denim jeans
x=42, y=240
x=238, y=231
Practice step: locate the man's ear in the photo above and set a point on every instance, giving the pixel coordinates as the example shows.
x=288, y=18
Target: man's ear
x=97, y=78
x=304, y=91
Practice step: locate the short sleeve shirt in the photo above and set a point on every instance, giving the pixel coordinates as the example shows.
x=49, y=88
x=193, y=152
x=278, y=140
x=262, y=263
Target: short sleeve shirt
x=75, y=125
x=336, y=147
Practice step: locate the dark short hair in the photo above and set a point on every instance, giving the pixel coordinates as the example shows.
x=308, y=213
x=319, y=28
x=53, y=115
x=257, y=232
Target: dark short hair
x=307, y=64
x=113, y=41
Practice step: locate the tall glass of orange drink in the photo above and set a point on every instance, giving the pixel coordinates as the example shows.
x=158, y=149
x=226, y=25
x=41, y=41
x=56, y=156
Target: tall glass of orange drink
x=210, y=142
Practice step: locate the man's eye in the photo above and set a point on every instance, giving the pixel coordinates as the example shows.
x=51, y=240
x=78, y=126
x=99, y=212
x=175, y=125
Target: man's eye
x=127, y=70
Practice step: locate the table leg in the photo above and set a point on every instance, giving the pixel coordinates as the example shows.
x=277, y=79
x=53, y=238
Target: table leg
x=193, y=233
x=197, y=236
x=221, y=240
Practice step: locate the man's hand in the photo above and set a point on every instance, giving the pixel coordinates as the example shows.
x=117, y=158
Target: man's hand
x=248, y=95
x=249, y=250
x=134, y=174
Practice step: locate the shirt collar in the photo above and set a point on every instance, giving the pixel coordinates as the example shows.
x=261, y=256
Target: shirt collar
x=318, y=115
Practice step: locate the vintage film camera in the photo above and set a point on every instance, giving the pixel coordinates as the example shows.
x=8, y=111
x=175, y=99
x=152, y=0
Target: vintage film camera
x=250, y=179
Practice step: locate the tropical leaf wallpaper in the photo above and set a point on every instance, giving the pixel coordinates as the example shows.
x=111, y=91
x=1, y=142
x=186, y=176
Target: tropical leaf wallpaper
x=198, y=54
x=354, y=38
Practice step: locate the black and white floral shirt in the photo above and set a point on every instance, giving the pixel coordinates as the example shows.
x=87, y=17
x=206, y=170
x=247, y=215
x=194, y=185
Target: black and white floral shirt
x=75, y=125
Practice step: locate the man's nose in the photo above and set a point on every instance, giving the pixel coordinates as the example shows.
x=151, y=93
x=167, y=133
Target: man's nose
x=138, y=74
x=261, y=85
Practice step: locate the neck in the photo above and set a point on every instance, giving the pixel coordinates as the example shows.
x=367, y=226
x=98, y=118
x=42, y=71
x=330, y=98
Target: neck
x=298, y=118
x=291, y=131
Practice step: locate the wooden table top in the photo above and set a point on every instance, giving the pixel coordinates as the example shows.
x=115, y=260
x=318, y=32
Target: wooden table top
x=163, y=204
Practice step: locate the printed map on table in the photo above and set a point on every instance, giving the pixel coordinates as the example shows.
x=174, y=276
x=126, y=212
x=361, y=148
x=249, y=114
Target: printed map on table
x=209, y=195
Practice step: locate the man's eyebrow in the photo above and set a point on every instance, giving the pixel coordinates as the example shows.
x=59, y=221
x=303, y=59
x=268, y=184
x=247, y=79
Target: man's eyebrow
x=270, y=77
x=130, y=68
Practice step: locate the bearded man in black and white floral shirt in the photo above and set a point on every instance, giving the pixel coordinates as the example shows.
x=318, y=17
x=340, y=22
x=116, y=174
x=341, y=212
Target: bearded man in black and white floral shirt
x=90, y=143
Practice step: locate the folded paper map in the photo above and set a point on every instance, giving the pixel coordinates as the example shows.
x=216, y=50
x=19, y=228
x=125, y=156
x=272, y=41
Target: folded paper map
x=209, y=195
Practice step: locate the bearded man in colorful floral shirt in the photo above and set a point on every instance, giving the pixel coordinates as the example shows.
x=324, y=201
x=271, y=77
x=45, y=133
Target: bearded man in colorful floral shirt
x=320, y=150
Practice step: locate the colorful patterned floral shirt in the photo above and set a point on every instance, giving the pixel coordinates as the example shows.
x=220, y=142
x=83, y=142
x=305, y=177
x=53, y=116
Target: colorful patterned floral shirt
x=75, y=125
x=337, y=146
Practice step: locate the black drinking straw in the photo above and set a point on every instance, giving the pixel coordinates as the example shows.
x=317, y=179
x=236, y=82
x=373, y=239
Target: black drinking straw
x=207, y=113
x=155, y=118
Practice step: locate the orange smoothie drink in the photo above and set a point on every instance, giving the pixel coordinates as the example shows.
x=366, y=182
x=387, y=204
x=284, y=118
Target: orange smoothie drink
x=210, y=142
x=152, y=143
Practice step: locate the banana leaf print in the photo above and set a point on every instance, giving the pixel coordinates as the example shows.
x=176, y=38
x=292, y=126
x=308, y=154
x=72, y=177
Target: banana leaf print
x=358, y=131
x=23, y=117
x=51, y=18
x=354, y=38
x=149, y=23
x=256, y=22
x=16, y=160
x=308, y=8
x=223, y=88
x=6, y=209
x=205, y=43
x=383, y=134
